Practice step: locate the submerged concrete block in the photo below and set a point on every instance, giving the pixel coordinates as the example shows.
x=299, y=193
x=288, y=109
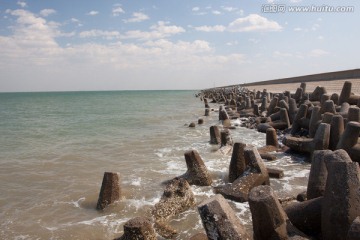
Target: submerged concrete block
x=138, y=228
x=110, y=190
x=215, y=137
x=197, y=173
x=220, y=221
x=237, y=163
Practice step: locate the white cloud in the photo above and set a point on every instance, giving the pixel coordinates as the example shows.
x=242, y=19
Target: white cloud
x=216, y=28
x=282, y=54
x=99, y=33
x=47, y=12
x=160, y=30
x=117, y=11
x=137, y=17
x=318, y=53
x=320, y=37
x=93, y=13
x=228, y=9
x=315, y=27
x=298, y=29
x=253, y=23
x=215, y=12
x=22, y=4
x=195, y=9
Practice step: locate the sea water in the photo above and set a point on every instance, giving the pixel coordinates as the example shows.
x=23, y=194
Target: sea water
x=55, y=148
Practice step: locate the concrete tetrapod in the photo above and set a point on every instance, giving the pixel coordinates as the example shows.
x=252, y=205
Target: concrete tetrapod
x=138, y=228
x=219, y=220
x=269, y=218
x=110, y=190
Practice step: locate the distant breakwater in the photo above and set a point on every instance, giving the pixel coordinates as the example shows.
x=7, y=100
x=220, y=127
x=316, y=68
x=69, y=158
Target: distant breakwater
x=332, y=80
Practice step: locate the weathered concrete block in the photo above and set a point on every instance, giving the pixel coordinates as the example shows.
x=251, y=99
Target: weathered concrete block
x=306, y=216
x=354, y=114
x=199, y=236
x=328, y=106
x=269, y=219
x=275, y=173
x=354, y=231
x=237, y=163
x=317, y=93
x=292, y=110
x=345, y=92
x=319, y=142
x=215, y=137
x=350, y=136
x=301, y=113
x=192, y=125
x=318, y=174
x=207, y=112
x=138, y=228
x=271, y=137
x=197, y=173
x=315, y=120
x=226, y=137
x=110, y=190
x=177, y=198
x=219, y=220
x=255, y=174
x=272, y=105
x=341, y=203
x=336, y=130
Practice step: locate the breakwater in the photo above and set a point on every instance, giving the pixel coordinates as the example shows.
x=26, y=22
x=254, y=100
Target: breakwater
x=332, y=80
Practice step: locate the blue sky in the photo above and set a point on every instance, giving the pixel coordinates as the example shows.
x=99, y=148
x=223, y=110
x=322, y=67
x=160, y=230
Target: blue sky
x=59, y=45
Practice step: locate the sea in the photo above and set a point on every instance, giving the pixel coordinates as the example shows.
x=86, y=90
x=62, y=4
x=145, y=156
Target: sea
x=56, y=146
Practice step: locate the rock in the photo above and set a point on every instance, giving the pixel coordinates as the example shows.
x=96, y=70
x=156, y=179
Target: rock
x=306, y=216
x=219, y=220
x=197, y=173
x=138, y=228
x=341, y=203
x=200, y=121
x=110, y=190
x=177, y=198
x=192, y=125
x=269, y=219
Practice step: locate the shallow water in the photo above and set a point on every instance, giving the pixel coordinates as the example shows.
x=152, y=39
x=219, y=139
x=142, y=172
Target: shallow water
x=55, y=148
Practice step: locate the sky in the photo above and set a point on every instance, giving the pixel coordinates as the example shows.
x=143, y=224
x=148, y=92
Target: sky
x=62, y=45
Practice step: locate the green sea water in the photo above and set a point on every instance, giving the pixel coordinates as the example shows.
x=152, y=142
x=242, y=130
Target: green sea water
x=55, y=147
